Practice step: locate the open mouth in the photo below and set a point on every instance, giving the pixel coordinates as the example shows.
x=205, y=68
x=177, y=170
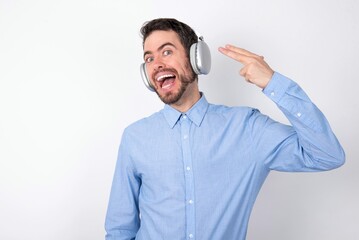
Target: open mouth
x=166, y=80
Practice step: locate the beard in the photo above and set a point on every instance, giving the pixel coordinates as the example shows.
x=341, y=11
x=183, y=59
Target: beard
x=184, y=81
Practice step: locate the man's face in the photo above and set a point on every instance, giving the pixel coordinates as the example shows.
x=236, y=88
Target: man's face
x=167, y=65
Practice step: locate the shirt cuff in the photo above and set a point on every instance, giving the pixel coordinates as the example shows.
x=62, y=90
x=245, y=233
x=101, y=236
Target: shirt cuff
x=277, y=87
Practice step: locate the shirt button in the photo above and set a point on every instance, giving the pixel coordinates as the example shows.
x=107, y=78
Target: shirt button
x=272, y=93
x=188, y=168
x=184, y=117
x=190, y=236
x=185, y=136
x=299, y=114
x=190, y=201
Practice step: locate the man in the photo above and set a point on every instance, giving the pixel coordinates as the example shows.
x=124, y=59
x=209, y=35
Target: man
x=194, y=169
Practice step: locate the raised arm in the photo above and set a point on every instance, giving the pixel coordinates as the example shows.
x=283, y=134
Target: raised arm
x=309, y=144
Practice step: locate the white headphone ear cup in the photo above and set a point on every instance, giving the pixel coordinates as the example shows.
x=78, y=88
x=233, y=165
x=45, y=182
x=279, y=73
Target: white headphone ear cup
x=200, y=58
x=193, y=58
x=145, y=77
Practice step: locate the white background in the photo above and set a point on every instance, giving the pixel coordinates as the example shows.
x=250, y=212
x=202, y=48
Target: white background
x=70, y=84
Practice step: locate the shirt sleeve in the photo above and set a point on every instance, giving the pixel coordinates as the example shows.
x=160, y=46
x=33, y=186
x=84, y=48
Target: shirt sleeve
x=308, y=145
x=122, y=219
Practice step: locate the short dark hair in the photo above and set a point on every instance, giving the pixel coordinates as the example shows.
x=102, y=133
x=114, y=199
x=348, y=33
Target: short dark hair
x=185, y=33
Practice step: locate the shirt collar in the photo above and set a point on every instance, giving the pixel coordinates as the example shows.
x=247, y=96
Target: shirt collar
x=196, y=113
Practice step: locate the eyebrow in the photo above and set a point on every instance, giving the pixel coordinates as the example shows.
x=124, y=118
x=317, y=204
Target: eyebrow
x=160, y=48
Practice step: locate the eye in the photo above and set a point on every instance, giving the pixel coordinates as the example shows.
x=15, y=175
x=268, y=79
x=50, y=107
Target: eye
x=149, y=59
x=167, y=52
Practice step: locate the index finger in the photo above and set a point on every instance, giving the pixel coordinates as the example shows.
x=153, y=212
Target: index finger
x=242, y=58
x=241, y=50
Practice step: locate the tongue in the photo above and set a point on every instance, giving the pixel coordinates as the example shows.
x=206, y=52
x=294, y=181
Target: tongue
x=167, y=83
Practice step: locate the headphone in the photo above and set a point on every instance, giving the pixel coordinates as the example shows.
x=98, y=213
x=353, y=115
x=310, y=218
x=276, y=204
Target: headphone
x=200, y=58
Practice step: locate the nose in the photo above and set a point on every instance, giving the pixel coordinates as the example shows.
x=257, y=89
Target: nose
x=158, y=64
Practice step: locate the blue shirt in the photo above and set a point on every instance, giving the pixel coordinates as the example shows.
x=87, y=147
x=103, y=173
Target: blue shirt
x=196, y=175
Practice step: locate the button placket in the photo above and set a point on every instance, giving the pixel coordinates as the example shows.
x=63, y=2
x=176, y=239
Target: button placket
x=188, y=173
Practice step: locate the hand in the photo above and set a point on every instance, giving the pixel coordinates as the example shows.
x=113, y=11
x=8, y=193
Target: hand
x=255, y=69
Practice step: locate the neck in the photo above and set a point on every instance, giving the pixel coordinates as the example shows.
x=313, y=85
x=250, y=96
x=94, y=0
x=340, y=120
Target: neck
x=188, y=99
